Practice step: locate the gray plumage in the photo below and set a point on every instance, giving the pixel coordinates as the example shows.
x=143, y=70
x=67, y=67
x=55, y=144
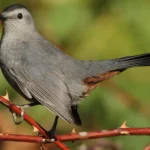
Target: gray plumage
x=41, y=72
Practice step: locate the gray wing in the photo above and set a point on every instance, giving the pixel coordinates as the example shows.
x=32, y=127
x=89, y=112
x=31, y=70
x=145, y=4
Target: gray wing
x=46, y=87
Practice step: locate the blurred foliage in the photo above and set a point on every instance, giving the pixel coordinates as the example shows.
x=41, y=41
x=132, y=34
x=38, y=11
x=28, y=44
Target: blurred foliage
x=93, y=29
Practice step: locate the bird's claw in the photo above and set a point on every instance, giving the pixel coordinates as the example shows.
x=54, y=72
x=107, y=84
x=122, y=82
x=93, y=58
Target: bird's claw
x=52, y=135
x=22, y=107
x=15, y=116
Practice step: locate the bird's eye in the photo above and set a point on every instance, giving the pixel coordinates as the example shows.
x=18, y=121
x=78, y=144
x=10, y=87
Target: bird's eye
x=20, y=16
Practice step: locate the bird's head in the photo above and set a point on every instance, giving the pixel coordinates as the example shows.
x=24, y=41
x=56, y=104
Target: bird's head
x=16, y=18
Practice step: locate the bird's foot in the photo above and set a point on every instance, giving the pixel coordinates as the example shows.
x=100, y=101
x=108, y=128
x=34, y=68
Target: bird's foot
x=51, y=132
x=20, y=117
x=51, y=135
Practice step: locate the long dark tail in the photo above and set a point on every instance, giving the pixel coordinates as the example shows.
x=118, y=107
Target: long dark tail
x=132, y=61
x=103, y=70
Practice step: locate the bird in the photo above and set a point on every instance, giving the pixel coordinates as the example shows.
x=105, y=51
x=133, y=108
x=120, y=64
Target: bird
x=45, y=75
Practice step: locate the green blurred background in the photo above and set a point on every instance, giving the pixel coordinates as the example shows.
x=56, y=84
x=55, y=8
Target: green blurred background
x=92, y=30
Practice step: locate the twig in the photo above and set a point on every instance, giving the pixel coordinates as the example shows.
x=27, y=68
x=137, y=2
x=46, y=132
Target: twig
x=29, y=120
x=77, y=136
x=147, y=147
x=123, y=130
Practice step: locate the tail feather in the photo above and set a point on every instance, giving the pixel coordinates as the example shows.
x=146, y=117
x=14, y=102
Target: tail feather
x=96, y=68
x=110, y=68
x=133, y=61
x=76, y=116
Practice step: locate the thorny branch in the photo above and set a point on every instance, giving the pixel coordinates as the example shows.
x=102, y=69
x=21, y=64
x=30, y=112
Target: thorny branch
x=13, y=108
x=123, y=130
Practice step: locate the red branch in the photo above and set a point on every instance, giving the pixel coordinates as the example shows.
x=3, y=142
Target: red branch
x=123, y=130
x=29, y=120
x=77, y=136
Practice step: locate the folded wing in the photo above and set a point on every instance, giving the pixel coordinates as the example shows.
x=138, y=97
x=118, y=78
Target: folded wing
x=46, y=87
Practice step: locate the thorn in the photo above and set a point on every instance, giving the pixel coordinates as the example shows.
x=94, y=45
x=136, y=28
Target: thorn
x=124, y=133
x=124, y=125
x=6, y=96
x=73, y=130
x=3, y=134
x=35, y=129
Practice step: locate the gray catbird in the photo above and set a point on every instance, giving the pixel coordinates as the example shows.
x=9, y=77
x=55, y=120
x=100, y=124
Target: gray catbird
x=43, y=74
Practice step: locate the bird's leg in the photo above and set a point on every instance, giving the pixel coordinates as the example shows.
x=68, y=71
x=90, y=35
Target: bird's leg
x=51, y=132
x=22, y=107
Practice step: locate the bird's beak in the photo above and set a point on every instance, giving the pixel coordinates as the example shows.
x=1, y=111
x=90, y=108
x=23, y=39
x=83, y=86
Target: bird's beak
x=1, y=17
